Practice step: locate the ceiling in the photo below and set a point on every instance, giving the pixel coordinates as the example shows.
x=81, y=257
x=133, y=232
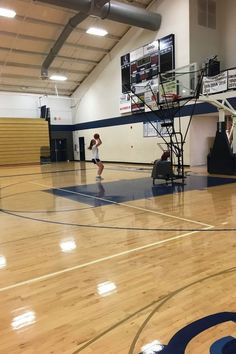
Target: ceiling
x=27, y=39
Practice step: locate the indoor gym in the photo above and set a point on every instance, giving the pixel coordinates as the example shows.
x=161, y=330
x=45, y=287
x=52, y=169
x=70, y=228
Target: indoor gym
x=128, y=264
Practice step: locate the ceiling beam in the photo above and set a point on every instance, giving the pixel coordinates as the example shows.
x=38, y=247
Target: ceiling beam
x=28, y=77
x=28, y=89
x=58, y=25
x=38, y=67
x=28, y=52
x=47, y=40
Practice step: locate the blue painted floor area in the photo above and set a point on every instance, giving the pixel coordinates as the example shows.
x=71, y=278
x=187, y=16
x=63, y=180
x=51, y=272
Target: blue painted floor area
x=100, y=193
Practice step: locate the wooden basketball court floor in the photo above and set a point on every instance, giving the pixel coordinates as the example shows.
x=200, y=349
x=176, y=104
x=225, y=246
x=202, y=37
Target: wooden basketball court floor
x=89, y=267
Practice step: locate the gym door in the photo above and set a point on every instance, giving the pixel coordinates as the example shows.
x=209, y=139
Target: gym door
x=59, y=150
x=81, y=149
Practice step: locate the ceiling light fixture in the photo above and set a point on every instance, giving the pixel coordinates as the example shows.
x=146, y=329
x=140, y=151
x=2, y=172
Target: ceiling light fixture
x=97, y=31
x=7, y=13
x=58, y=77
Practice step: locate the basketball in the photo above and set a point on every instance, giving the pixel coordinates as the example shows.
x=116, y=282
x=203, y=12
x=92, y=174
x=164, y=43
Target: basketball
x=96, y=136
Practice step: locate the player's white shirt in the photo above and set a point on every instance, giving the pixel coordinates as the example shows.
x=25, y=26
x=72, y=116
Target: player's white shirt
x=95, y=154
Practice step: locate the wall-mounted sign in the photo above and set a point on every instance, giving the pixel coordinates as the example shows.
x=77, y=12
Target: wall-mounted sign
x=144, y=64
x=231, y=79
x=125, y=103
x=215, y=84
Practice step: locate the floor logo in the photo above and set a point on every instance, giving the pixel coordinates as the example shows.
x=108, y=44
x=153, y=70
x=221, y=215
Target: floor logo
x=181, y=339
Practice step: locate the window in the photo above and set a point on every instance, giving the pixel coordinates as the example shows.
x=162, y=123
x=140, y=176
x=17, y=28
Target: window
x=207, y=13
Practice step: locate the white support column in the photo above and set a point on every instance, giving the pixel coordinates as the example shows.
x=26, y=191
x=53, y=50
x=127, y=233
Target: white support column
x=221, y=115
x=234, y=134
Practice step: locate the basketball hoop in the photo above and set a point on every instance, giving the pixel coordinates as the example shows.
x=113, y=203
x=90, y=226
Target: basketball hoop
x=169, y=97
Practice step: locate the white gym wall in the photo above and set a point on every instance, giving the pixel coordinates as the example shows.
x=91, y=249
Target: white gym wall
x=204, y=39
x=98, y=97
x=202, y=134
x=23, y=105
x=227, y=10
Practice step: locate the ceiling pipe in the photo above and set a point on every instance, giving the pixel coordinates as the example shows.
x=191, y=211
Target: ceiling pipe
x=113, y=10
x=70, y=26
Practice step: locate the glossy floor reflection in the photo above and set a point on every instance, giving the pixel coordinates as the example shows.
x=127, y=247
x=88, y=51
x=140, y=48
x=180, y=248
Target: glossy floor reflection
x=117, y=266
x=102, y=193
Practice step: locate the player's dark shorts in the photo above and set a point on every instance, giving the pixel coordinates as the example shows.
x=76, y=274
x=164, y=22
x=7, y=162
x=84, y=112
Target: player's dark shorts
x=95, y=161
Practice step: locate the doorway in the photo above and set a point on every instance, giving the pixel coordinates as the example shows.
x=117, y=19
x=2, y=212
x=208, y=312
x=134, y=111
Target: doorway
x=81, y=149
x=59, y=150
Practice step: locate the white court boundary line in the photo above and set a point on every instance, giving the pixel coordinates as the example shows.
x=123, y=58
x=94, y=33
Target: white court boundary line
x=125, y=205
x=96, y=261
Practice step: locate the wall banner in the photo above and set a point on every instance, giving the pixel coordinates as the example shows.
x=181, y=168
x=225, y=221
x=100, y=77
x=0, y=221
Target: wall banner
x=231, y=79
x=125, y=103
x=215, y=84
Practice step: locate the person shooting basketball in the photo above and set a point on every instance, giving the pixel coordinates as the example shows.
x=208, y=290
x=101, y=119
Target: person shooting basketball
x=93, y=146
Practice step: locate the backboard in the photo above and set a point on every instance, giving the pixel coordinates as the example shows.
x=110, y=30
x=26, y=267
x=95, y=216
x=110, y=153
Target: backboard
x=182, y=83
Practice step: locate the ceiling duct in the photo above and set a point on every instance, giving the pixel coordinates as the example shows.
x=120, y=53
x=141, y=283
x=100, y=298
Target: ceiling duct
x=113, y=10
x=72, y=23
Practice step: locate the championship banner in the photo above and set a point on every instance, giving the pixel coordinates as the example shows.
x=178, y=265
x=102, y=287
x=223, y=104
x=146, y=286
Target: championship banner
x=215, y=84
x=125, y=103
x=137, y=103
x=151, y=99
x=167, y=88
x=151, y=96
x=231, y=79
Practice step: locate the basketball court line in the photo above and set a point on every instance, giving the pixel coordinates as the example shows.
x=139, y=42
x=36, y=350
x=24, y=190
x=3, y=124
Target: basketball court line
x=130, y=169
x=46, y=172
x=100, y=260
x=157, y=304
x=126, y=205
x=96, y=261
x=73, y=170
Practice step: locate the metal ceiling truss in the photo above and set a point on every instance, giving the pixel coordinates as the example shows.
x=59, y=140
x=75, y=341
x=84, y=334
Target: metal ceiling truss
x=37, y=89
x=105, y=9
x=36, y=46
x=26, y=77
x=62, y=57
x=47, y=40
x=59, y=25
x=31, y=66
